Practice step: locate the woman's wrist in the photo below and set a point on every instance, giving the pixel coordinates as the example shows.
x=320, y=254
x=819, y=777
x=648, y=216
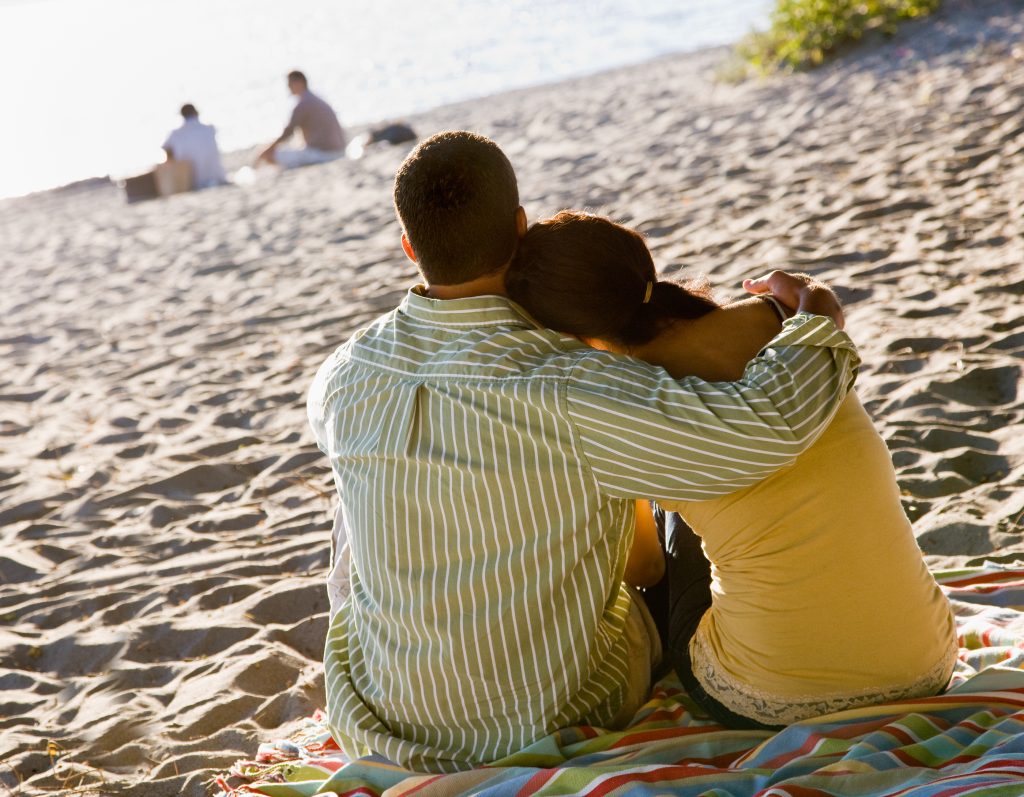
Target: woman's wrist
x=781, y=311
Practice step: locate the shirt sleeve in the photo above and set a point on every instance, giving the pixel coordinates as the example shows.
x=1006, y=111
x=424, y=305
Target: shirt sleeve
x=316, y=403
x=647, y=435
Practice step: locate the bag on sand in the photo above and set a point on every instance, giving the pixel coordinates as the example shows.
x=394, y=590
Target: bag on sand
x=172, y=177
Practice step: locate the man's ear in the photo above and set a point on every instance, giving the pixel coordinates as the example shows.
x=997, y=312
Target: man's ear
x=521, y=224
x=407, y=248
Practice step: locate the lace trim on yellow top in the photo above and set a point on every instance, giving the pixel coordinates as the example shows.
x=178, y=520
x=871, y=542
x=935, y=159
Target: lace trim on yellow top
x=771, y=709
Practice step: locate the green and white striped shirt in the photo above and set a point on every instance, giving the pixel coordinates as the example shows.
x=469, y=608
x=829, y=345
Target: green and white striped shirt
x=486, y=470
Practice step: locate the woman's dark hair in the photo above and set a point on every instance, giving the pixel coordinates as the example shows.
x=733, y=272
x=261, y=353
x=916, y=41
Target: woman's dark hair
x=456, y=196
x=588, y=276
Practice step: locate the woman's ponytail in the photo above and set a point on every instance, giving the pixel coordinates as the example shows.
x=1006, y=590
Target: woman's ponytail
x=669, y=300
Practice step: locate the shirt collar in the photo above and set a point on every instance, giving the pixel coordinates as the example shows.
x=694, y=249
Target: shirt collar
x=473, y=311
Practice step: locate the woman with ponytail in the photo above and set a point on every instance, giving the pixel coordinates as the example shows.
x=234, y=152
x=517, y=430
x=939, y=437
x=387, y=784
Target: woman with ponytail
x=816, y=598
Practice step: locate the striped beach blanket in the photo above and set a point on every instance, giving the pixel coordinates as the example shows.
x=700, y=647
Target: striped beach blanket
x=967, y=741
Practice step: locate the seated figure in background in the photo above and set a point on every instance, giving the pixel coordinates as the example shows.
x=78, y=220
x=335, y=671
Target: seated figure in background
x=196, y=143
x=321, y=130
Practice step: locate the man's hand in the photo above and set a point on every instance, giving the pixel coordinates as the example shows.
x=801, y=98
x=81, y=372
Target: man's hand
x=267, y=155
x=798, y=291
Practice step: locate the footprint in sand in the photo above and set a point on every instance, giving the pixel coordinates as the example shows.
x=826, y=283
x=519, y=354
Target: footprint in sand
x=118, y=438
x=264, y=676
x=975, y=466
x=934, y=486
x=289, y=606
x=15, y=571
x=69, y=655
x=1014, y=342
x=226, y=595
x=27, y=510
x=136, y=452
x=160, y=515
x=224, y=714
x=164, y=642
x=204, y=479
x=938, y=439
x=956, y=538
x=981, y=387
x=232, y=522
x=306, y=637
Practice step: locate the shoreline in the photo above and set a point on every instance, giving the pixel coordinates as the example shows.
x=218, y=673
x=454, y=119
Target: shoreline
x=699, y=63
x=164, y=513
x=235, y=158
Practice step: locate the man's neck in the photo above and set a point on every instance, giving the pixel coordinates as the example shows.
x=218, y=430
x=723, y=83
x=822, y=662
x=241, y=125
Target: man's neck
x=487, y=285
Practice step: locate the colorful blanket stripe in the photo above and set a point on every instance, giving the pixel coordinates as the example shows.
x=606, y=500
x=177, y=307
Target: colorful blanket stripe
x=967, y=741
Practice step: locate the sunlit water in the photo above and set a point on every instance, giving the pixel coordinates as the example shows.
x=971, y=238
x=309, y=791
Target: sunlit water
x=91, y=87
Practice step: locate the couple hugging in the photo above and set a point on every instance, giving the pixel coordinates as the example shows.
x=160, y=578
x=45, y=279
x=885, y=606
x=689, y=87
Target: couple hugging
x=498, y=439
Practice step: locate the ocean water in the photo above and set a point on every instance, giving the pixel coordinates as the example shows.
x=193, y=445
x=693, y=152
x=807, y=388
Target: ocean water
x=92, y=87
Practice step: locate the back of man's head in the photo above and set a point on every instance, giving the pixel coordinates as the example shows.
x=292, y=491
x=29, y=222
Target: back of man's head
x=298, y=78
x=188, y=111
x=456, y=197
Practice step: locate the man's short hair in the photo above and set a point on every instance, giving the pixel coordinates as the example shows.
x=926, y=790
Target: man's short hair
x=296, y=76
x=188, y=111
x=456, y=197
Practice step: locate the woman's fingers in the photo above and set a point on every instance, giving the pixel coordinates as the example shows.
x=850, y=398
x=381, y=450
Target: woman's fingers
x=784, y=287
x=759, y=285
x=799, y=292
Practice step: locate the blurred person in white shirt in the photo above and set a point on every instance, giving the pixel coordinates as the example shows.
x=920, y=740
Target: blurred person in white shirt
x=196, y=143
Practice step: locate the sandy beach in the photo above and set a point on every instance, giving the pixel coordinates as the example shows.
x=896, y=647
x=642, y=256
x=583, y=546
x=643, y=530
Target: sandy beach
x=164, y=514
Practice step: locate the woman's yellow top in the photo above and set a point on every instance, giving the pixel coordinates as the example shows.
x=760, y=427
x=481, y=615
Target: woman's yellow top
x=821, y=598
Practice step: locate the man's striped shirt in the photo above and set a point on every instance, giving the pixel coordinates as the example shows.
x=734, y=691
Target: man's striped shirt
x=487, y=471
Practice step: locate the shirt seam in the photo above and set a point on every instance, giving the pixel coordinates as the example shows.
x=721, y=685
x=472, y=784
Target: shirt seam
x=467, y=378
x=431, y=317
x=577, y=438
x=463, y=325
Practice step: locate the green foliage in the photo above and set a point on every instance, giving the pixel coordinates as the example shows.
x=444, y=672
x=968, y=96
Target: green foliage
x=805, y=32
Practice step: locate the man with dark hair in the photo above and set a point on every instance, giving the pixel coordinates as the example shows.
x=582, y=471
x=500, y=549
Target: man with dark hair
x=196, y=144
x=321, y=131
x=456, y=198
x=488, y=469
